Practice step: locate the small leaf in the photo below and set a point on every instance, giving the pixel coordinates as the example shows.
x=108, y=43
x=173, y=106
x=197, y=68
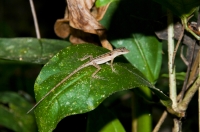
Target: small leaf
x=30, y=49
x=13, y=115
x=102, y=120
x=100, y=3
x=81, y=92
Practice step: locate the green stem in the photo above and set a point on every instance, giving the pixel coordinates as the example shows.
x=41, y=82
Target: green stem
x=141, y=113
x=172, y=78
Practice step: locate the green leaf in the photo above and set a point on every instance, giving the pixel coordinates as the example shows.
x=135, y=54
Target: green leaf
x=30, y=49
x=80, y=93
x=100, y=3
x=145, y=55
x=182, y=8
x=13, y=115
x=102, y=120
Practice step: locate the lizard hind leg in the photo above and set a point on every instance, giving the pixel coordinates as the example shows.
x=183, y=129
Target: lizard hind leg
x=98, y=69
x=111, y=64
x=86, y=57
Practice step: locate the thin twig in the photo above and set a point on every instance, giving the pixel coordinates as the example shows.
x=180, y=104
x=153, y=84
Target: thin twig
x=177, y=45
x=160, y=122
x=199, y=91
x=198, y=22
x=188, y=72
x=183, y=57
x=199, y=107
x=194, y=71
x=190, y=93
x=35, y=19
x=183, y=105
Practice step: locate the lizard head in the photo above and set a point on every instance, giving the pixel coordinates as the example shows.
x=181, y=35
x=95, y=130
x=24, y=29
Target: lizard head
x=120, y=51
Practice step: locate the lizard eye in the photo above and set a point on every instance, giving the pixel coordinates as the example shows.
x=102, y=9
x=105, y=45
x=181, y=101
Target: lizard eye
x=122, y=49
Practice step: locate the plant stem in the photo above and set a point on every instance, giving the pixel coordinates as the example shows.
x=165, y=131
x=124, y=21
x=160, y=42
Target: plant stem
x=141, y=117
x=177, y=125
x=188, y=96
x=160, y=122
x=199, y=107
x=172, y=77
x=199, y=87
x=35, y=19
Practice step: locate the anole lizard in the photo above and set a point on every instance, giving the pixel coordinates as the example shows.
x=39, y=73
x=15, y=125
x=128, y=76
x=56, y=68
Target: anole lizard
x=93, y=61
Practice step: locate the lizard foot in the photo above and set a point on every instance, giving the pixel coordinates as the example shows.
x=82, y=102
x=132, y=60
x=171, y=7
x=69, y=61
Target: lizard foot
x=98, y=77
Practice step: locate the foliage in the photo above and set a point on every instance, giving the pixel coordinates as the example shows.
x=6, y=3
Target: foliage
x=129, y=24
x=13, y=109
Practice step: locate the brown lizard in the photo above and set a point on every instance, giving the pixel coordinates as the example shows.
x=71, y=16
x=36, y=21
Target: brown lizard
x=93, y=61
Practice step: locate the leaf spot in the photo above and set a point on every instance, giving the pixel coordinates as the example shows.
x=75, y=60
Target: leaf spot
x=103, y=96
x=119, y=42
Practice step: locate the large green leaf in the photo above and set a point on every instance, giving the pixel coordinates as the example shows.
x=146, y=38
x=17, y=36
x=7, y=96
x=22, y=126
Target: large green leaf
x=13, y=115
x=146, y=54
x=81, y=93
x=30, y=49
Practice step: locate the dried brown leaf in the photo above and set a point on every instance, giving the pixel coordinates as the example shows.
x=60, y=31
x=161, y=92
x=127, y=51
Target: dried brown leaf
x=78, y=37
x=84, y=16
x=81, y=18
x=62, y=28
